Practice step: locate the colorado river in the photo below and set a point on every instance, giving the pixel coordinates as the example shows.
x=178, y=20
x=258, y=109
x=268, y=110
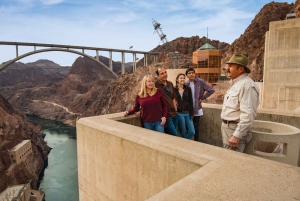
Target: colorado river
x=59, y=182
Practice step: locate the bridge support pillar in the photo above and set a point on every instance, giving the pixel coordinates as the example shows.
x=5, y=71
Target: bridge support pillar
x=82, y=51
x=123, y=63
x=135, y=59
x=110, y=61
x=17, y=52
x=145, y=60
x=97, y=55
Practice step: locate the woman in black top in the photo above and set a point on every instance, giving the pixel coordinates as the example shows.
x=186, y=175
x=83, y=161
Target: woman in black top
x=184, y=107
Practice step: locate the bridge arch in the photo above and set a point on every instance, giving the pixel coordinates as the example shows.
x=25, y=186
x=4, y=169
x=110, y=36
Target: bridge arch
x=4, y=65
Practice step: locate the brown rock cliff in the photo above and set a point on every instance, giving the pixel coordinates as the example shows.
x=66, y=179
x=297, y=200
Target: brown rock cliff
x=15, y=127
x=252, y=41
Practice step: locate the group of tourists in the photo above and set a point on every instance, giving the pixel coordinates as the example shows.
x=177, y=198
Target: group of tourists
x=168, y=109
x=165, y=108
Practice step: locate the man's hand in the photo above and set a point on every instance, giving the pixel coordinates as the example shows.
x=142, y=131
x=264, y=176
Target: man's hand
x=233, y=142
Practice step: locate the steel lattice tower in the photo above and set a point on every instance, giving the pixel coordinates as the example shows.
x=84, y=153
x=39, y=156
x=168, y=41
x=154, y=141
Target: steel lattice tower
x=173, y=55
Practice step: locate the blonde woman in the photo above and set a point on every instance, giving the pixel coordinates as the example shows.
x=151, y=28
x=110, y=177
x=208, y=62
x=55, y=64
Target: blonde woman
x=150, y=101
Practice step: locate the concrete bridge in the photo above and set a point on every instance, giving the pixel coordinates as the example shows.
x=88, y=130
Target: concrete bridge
x=74, y=49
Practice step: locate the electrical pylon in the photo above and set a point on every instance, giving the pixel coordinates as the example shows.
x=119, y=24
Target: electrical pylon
x=173, y=55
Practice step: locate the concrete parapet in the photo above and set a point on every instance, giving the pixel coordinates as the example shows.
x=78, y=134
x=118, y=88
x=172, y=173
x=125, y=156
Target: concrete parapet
x=118, y=161
x=288, y=137
x=210, y=122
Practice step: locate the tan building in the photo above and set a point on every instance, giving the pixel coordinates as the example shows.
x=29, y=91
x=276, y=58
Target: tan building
x=21, y=192
x=207, y=60
x=281, y=82
x=20, y=152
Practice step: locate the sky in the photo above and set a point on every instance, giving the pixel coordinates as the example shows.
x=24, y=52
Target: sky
x=117, y=24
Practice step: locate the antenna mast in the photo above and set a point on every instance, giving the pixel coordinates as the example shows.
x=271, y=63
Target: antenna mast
x=173, y=55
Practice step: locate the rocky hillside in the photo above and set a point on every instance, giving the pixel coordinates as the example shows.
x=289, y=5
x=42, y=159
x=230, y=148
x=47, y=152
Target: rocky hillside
x=296, y=8
x=67, y=99
x=41, y=73
x=185, y=47
x=252, y=41
x=15, y=127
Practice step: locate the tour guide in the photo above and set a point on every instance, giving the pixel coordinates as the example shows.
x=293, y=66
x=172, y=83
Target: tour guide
x=239, y=106
x=169, y=94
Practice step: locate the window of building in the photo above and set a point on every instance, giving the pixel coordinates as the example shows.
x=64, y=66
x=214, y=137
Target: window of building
x=202, y=61
x=214, y=61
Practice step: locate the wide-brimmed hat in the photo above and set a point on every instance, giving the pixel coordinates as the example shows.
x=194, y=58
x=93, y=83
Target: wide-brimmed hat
x=241, y=60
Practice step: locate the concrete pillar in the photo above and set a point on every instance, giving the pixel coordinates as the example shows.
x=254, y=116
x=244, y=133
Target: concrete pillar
x=123, y=63
x=97, y=55
x=134, y=62
x=82, y=50
x=110, y=60
x=17, y=52
x=145, y=60
x=34, y=48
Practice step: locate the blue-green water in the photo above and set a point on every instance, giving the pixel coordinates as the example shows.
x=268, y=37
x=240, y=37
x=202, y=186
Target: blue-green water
x=60, y=179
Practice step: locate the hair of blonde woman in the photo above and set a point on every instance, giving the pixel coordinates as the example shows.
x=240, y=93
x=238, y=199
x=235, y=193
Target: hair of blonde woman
x=143, y=91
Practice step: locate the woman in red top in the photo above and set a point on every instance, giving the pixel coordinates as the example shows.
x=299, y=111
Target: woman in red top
x=150, y=101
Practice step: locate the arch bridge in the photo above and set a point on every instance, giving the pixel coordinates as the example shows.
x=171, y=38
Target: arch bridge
x=74, y=49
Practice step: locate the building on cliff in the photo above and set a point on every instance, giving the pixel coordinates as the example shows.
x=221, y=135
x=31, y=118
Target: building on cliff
x=21, y=192
x=207, y=60
x=20, y=152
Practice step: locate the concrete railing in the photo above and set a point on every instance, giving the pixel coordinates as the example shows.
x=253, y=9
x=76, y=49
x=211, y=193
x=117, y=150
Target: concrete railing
x=210, y=126
x=118, y=160
x=284, y=138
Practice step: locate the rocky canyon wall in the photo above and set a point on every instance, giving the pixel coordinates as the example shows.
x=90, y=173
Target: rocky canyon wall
x=14, y=128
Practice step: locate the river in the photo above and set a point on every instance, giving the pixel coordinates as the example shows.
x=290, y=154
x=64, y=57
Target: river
x=60, y=179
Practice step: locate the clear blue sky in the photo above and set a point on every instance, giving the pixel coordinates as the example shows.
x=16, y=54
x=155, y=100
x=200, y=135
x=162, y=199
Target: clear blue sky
x=118, y=23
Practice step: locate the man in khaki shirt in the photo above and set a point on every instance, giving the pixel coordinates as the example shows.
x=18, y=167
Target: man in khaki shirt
x=239, y=106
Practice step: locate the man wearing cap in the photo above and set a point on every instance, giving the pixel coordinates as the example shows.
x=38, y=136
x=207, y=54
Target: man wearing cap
x=200, y=91
x=240, y=105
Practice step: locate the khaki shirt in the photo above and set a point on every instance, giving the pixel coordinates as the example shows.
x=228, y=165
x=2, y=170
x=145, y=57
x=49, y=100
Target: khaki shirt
x=240, y=104
x=169, y=95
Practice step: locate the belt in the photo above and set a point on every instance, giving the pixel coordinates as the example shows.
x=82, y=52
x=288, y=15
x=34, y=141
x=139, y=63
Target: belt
x=229, y=122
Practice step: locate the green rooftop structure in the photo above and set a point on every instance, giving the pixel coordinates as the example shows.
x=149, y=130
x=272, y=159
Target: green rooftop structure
x=207, y=60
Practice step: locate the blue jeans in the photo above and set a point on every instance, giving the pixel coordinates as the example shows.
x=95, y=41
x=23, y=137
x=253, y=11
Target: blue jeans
x=186, y=125
x=196, y=121
x=155, y=126
x=171, y=126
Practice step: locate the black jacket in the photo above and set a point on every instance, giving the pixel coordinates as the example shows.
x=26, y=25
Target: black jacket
x=185, y=104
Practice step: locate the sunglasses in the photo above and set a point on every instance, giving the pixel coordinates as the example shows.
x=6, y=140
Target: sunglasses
x=168, y=89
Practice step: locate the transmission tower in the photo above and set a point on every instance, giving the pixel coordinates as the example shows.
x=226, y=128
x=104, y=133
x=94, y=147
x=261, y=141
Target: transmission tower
x=173, y=55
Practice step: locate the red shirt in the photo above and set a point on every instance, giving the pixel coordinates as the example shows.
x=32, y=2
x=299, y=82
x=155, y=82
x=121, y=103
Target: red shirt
x=153, y=108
